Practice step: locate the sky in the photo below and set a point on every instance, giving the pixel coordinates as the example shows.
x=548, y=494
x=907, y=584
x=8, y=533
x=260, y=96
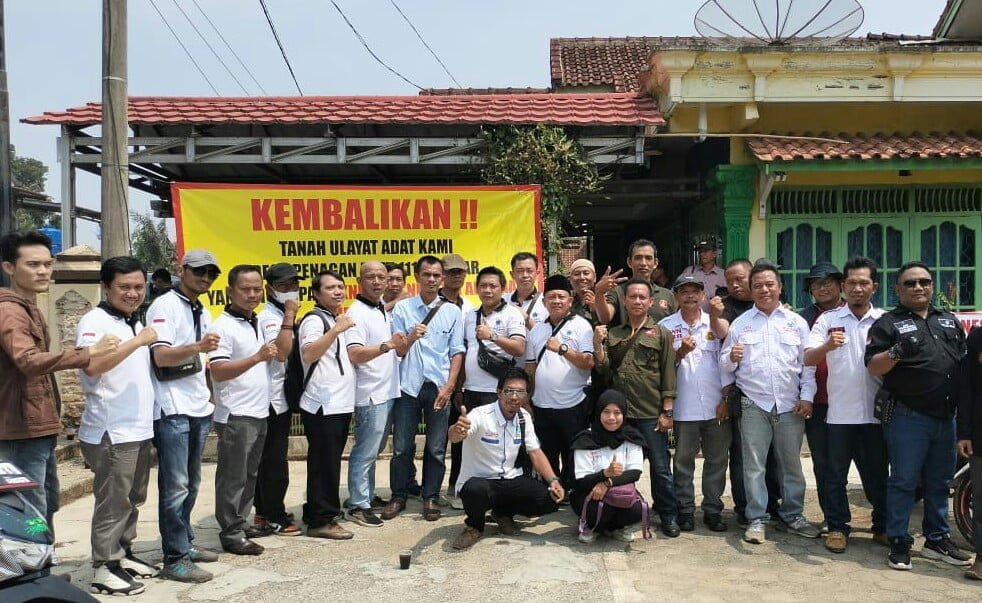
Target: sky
x=53, y=51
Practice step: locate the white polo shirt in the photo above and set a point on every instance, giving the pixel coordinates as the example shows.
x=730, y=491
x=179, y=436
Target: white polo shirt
x=270, y=320
x=331, y=388
x=248, y=394
x=536, y=311
x=699, y=384
x=586, y=462
x=171, y=316
x=120, y=401
x=851, y=388
x=377, y=380
x=559, y=384
x=506, y=321
x=491, y=446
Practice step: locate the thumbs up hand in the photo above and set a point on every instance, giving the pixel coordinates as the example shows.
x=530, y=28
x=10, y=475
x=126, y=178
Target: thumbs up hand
x=614, y=469
x=462, y=426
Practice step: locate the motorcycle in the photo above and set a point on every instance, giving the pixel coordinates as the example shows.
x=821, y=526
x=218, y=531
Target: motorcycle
x=961, y=502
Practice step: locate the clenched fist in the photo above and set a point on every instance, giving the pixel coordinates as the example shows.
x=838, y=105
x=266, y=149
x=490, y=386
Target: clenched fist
x=147, y=336
x=267, y=352
x=343, y=323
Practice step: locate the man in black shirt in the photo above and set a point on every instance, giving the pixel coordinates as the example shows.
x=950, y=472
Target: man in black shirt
x=917, y=349
x=737, y=299
x=970, y=434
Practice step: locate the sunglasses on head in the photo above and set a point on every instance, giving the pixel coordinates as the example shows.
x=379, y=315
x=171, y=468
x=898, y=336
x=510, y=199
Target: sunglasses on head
x=914, y=282
x=209, y=271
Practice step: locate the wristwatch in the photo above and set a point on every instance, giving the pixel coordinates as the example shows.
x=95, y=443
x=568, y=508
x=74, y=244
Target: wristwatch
x=563, y=348
x=383, y=347
x=494, y=336
x=893, y=352
x=669, y=412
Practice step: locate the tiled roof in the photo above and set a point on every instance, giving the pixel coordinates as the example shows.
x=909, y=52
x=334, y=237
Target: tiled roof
x=616, y=62
x=868, y=146
x=559, y=109
x=473, y=91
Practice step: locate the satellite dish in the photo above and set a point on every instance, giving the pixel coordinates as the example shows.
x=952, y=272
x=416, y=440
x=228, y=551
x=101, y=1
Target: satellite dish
x=778, y=22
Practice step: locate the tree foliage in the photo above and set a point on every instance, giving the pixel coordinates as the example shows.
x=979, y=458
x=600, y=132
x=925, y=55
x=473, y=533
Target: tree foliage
x=30, y=174
x=151, y=245
x=543, y=155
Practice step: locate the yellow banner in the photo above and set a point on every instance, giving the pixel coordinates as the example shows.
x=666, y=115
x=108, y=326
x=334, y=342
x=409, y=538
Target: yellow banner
x=319, y=228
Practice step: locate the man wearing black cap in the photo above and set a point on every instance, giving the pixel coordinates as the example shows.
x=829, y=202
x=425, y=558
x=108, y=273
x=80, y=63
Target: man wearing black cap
x=641, y=363
x=560, y=357
x=711, y=275
x=276, y=324
x=824, y=283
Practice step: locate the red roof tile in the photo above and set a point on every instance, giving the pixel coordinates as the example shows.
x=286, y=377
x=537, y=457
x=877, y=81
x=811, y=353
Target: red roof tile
x=874, y=146
x=482, y=91
x=609, y=109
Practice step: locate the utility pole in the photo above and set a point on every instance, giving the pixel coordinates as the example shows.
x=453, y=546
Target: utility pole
x=6, y=194
x=115, y=131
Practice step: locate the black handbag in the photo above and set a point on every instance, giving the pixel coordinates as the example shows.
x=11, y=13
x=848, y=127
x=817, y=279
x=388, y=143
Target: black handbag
x=489, y=361
x=190, y=365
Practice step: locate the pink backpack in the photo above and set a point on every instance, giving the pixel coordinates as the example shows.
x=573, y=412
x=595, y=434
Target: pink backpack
x=624, y=496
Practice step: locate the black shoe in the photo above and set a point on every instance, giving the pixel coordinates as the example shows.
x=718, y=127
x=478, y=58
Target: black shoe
x=899, y=558
x=742, y=519
x=244, y=547
x=714, y=522
x=260, y=530
x=378, y=502
x=670, y=529
x=364, y=517
x=945, y=550
x=686, y=522
x=415, y=491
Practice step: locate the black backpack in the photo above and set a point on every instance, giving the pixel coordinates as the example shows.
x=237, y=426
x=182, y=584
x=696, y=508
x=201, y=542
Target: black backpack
x=295, y=381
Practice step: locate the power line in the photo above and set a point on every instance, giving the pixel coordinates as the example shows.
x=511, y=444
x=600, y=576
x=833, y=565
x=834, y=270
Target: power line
x=371, y=52
x=205, y=40
x=276, y=36
x=230, y=49
x=186, y=51
x=420, y=36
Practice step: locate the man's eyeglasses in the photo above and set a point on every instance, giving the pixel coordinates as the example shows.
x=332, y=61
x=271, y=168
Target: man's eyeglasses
x=924, y=283
x=514, y=393
x=208, y=271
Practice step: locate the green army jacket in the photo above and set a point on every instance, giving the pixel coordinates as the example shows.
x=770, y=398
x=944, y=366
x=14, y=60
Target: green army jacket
x=646, y=375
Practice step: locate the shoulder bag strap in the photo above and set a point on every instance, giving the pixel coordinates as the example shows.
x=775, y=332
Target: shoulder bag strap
x=429, y=315
x=558, y=328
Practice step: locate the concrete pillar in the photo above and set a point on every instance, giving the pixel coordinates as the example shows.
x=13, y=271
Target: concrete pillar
x=75, y=291
x=734, y=187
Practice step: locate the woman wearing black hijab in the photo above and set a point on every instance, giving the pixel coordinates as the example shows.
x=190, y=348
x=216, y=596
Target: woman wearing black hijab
x=606, y=455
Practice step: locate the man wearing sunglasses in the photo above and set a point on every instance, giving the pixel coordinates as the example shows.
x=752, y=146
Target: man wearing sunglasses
x=917, y=349
x=182, y=409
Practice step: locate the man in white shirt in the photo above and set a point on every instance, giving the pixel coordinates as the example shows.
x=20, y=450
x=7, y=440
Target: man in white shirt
x=372, y=349
x=117, y=425
x=854, y=434
x=495, y=475
x=276, y=325
x=765, y=353
x=327, y=403
x=559, y=358
x=699, y=410
x=525, y=271
x=241, y=383
x=500, y=329
x=182, y=410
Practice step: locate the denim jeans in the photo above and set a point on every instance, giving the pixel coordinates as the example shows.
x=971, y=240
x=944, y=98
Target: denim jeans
x=922, y=448
x=817, y=433
x=370, y=422
x=660, y=464
x=36, y=458
x=864, y=445
x=180, y=440
x=760, y=430
x=737, y=491
x=406, y=414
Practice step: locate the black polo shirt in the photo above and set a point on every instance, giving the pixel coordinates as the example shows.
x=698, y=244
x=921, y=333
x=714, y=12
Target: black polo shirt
x=733, y=307
x=926, y=381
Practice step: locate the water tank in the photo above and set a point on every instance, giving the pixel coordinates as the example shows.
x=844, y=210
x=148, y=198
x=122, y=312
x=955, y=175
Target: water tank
x=55, y=235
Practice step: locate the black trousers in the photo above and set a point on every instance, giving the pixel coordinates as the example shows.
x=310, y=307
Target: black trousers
x=472, y=400
x=326, y=437
x=504, y=497
x=556, y=429
x=273, y=479
x=611, y=518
